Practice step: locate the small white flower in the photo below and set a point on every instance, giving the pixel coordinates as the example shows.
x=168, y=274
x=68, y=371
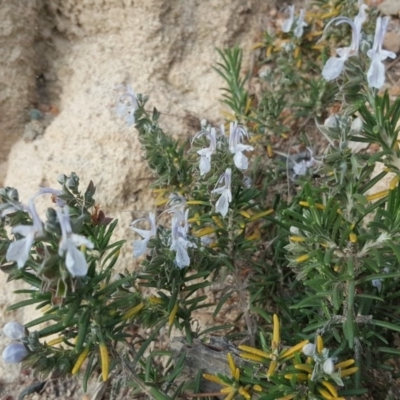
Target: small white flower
x=19, y=250
x=14, y=353
x=287, y=24
x=333, y=68
x=376, y=71
x=222, y=204
x=247, y=182
x=301, y=168
x=357, y=125
x=361, y=17
x=237, y=133
x=328, y=366
x=206, y=240
x=331, y=121
x=75, y=260
x=377, y=283
x=205, y=154
x=140, y=246
x=176, y=202
x=179, y=230
x=127, y=105
x=14, y=330
x=300, y=24
x=309, y=349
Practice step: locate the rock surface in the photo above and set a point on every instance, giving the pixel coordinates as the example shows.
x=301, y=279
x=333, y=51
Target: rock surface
x=392, y=41
x=82, y=51
x=390, y=7
x=17, y=71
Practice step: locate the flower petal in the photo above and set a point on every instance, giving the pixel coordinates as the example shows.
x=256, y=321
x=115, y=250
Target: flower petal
x=309, y=349
x=376, y=72
x=300, y=168
x=80, y=240
x=299, y=30
x=204, y=165
x=287, y=24
x=328, y=366
x=222, y=204
x=333, y=68
x=75, y=261
x=182, y=259
x=19, y=250
x=14, y=330
x=140, y=247
x=14, y=353
x=241, y=160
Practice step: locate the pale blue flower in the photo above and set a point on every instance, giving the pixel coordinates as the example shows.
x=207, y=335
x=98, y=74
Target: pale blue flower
x=361, y=17
x=237, y=133
x=207, y=240
x=376, y=71
x=222, y=204
x=140, y=246
x=287, y=24
x=301, y=168
x=309, y=349
x=19, y=250
x=300, y=24
x=179, y=241
x=377, y=283
x=176, y=202
x=335, y=65
x=127, y=105
x=205, y=154
x=333, y=68
x=75, y=260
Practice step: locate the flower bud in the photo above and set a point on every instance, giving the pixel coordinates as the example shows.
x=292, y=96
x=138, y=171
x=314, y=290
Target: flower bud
x=70, y=183
x=61, y=179
x=247, y=182
x=294, y=230
x=13, y=195
x=357, y=125
x=309, y=349
x=377, y=283
x=331, y=121
x=328, y=366
x=14, y=330
x=14, y=353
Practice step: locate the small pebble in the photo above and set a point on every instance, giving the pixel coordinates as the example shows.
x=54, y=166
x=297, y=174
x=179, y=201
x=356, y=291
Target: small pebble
x=392, y=42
